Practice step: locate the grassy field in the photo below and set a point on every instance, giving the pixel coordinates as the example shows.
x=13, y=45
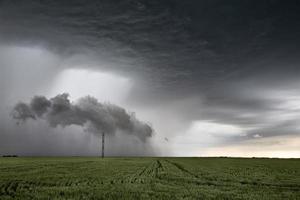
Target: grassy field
x=149, y=178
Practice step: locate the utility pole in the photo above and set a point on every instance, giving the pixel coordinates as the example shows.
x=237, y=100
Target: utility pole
x=103, y=144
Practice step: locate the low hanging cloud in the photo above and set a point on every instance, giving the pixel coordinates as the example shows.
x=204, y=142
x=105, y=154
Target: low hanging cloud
x=88, y=112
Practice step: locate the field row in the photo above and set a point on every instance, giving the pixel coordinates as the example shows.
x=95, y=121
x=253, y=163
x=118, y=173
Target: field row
x=149, y=178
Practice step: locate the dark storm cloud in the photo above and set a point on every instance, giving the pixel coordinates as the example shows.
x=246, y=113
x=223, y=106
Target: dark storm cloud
x=23, y=112
x=181, y=40
x=226, y=54
x=193, y=45
x=94, y=116
x=39, y=105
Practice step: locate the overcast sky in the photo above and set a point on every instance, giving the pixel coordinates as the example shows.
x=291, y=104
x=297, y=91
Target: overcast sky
x=212, y=77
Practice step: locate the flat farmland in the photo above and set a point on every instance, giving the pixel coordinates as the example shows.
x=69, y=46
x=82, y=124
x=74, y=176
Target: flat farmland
x=149, y=178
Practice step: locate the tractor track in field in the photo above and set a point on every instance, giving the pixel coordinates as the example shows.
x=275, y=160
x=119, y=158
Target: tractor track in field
x=145, y=174
x=182, y=169
x=197, y=180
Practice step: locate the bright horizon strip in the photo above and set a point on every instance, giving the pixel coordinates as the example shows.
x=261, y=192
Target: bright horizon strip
x=273, y=147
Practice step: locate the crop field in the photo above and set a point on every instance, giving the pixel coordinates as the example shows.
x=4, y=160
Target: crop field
x=149, y=178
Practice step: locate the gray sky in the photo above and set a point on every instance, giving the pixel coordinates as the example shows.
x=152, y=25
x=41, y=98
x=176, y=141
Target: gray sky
x=212, y=77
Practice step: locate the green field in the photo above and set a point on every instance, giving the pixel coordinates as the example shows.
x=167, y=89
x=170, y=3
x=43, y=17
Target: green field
x=149, y=178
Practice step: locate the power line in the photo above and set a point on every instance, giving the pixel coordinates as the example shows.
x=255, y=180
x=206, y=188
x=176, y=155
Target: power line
x=103, y=135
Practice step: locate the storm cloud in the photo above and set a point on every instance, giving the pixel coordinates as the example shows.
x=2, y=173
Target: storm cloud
x=186, y=64
x=94, y=116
